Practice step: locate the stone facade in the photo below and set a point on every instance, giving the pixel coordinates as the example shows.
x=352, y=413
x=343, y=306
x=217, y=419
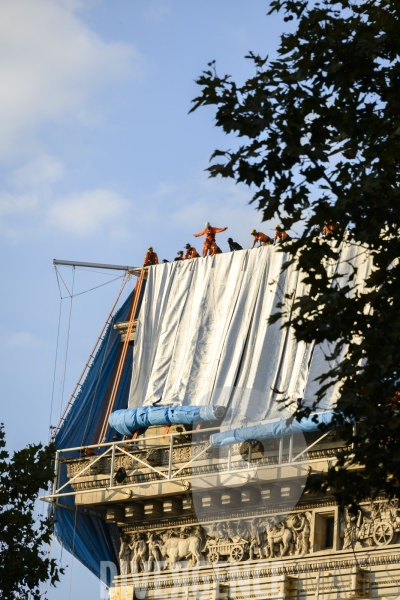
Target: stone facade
x=261, y=539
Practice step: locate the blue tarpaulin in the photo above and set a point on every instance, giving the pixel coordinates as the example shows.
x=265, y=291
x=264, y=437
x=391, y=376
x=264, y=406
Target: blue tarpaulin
x=271, y=430
x=130, y=420
x=85, y=535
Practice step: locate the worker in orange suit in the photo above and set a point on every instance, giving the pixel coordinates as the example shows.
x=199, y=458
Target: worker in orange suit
x=329, y=228
x=151, y=258
x=395, y=402
x=262, y=238
x=191, y=252
x=280, y=235
x=209, y=232
x=215, y=249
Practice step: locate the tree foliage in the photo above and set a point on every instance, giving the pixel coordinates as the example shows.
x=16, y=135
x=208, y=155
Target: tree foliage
x=24, y=561
x=319, y=132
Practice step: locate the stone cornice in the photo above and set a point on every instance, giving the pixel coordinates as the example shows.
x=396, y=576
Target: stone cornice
x=232, y=515
x=251, y=570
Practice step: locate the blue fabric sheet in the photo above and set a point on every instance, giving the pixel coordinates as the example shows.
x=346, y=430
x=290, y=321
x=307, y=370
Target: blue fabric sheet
x=270, y=430
x=130, y=420
x=85, y=535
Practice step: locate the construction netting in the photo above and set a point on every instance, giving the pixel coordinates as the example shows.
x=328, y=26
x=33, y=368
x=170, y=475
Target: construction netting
x=84, y=533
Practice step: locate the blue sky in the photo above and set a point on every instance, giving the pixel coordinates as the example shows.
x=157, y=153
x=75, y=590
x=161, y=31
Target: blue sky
x=99, y=159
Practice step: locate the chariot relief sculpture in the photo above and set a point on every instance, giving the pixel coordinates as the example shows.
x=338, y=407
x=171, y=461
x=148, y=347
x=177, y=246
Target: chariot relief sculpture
x=375, y=525
x=255, y=538
x=252, y=539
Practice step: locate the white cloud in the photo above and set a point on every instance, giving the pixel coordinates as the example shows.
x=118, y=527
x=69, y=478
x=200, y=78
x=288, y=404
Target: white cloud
x=28, y=195
x=51, y=63
x=31, y=207
x=22, y=339
x=44, y=171
x=88, y=213
x=157, y=10
x=16, y=203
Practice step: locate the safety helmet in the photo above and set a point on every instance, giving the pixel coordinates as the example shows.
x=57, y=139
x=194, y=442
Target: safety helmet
x=188, y=246
x=278, y=226
x=253, y=232
x=150, y=248
x=208, y=224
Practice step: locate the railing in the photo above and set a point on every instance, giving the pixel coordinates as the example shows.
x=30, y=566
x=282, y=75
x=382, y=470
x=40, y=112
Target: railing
x=170, y=473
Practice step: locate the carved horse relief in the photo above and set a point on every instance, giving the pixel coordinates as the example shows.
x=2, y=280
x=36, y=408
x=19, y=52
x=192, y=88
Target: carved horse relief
x=175, y=549
x=278, y=534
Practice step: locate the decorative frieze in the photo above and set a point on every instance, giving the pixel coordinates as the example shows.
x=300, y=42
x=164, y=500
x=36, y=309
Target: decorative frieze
x=257, y=538
x=376, y=524
x=265, y=534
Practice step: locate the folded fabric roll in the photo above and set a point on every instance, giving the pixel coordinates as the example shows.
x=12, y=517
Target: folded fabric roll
x=270, y=430
x=128, y=420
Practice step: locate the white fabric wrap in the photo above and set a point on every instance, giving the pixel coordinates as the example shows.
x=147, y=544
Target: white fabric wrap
x=203, y=336
x=354, y=259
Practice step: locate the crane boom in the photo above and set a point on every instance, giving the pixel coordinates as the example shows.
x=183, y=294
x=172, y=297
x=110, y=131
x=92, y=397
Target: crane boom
x=75, y=263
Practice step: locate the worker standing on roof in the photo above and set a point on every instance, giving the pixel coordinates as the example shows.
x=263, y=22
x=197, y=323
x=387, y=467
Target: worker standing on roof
x=209, y=232
x=262, y=238
x=329, y=228
x=280, y=235
x=234, y=245
x=215, y=249
x=191, y=252
x=151, y=258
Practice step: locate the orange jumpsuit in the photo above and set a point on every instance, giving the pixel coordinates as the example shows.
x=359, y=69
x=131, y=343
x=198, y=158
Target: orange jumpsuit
x=328, y=228
x=209, y=232
x=151, y=258
x=215, y=249
x=394, y=404
x=281, y=236
x=262, y=238
x=191, y=253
